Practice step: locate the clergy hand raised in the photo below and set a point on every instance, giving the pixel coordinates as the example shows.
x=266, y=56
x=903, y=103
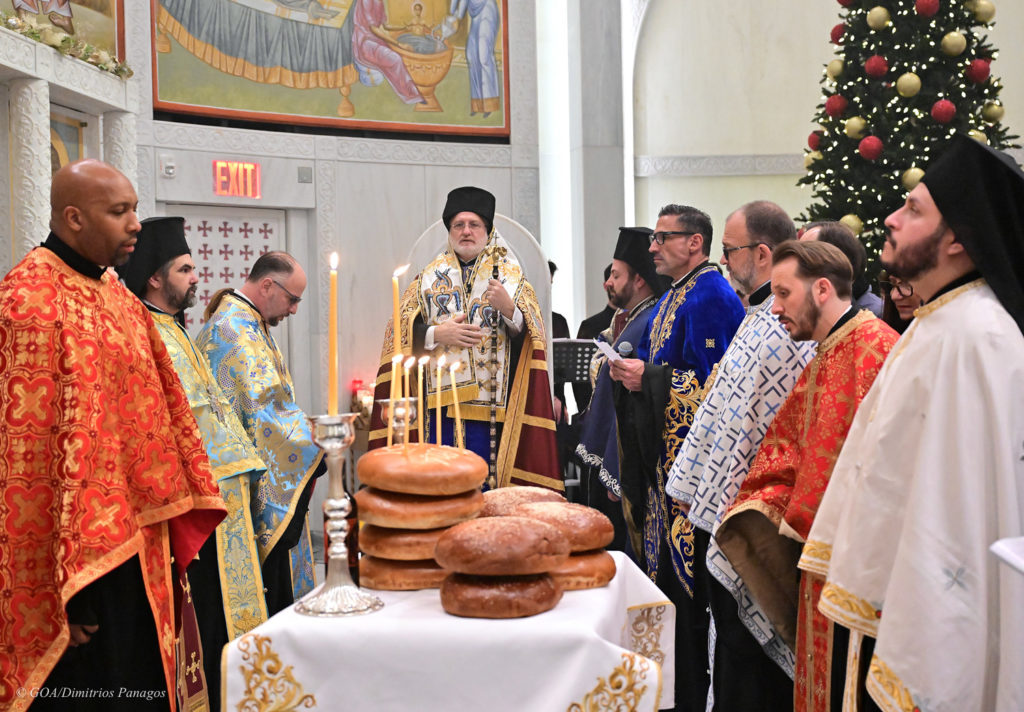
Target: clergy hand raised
x=628, y=371
x=498, y=298
x=455, y=332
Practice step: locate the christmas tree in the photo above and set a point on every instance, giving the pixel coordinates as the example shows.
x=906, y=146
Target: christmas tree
x=908, y=75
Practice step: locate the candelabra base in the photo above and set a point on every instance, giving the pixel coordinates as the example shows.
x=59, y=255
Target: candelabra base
x=337, y=601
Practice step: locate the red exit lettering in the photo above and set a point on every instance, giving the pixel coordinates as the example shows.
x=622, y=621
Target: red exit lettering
x=237, y=179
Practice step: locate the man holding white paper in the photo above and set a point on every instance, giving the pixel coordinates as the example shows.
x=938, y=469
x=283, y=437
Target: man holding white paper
x=633, y=287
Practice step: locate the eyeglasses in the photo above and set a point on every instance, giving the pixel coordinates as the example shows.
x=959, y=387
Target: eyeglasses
x=659, y=237
x=472, y=225
x=902, y=289
x=291, y=297
x=729, y=250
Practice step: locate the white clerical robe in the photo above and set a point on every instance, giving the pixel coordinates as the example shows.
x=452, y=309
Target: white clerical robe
x=750, y=383
x=932, y=473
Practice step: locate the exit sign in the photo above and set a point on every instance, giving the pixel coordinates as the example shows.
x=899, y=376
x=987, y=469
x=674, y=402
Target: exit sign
x=237, y=179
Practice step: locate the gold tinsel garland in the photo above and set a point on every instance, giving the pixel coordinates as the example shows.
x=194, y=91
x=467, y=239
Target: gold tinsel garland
x=65, y=44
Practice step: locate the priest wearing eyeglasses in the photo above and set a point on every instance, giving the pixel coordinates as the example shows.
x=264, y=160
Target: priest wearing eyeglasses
x=661, y=389
x=250, y=369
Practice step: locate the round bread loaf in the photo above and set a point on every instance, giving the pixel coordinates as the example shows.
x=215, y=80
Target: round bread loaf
x=422, y=468
x=585, y=527
x=387, y=575
x=416, y=511
x=587, y=569
x=500, y=502
x=399, y=544
x=502, y=546
x=499, y=596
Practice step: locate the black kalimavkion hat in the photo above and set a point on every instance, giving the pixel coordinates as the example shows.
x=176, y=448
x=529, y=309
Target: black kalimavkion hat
x=159, y=241
x=472, y=200
x=980, y=193
x=633, y=249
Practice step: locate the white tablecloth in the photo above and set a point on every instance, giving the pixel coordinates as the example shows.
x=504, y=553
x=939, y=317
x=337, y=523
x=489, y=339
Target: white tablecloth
x=606, y=648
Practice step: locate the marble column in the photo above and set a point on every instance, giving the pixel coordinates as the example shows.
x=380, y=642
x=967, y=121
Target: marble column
x=119, y=144
x=29, y=101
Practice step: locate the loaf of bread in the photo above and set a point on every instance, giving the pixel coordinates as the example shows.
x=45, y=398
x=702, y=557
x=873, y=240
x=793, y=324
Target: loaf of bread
x=500, y=502
x=502, y=546
x=422, y=468
x=587, y=569
x=387, y=575
x=499, y=596
x=585, y=527
x=415, y=511
x=399, y=544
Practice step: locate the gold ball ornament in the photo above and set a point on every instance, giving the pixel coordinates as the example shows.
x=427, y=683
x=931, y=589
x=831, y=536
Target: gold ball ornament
x=983, y=11
x=834, y=68
x=953, y=44
x=811, y=157
x=855, y=126
x=992, y=112
x=908, y=85
x=911, y=177
x=878, y=17
x=978, y=136
x=853, y=222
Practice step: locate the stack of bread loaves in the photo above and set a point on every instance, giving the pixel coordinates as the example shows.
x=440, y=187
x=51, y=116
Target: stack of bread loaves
x=514, y=560
x=500, y=567
x=414, y=493
x=588, y=532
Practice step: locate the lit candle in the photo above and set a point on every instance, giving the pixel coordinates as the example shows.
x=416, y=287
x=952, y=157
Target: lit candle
x=421, y=401
x=332, y=339
x=396, y=327
x=437, y=396
x=455, y=400
x=407, y=366
x=395, y=395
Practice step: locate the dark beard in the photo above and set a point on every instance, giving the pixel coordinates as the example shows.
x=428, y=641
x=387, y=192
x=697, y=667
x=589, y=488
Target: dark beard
x=918, y=259
x=808, y=320
x=621, y=301
x=185, y=301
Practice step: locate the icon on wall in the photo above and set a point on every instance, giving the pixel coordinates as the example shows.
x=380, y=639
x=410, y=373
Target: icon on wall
x=432, y=66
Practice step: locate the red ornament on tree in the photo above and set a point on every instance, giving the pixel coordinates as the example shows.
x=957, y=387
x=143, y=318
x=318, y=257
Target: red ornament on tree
x=835, y=105
x=978, y=69
x=837, y=33
x=870, y=148
x=943, y=111
x=876, y=66
x=846, y=3
x=814, y=140
x=926, y=8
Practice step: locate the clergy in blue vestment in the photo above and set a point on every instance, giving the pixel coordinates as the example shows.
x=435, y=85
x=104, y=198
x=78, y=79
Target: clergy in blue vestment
x=250, y=368
x=633, y=287
x=752, y=667
x=689, y=329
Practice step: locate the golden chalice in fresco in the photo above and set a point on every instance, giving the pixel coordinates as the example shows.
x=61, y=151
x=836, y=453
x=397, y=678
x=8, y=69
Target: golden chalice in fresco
x=428, y=59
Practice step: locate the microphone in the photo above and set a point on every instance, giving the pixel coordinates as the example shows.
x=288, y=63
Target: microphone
x=625, y=350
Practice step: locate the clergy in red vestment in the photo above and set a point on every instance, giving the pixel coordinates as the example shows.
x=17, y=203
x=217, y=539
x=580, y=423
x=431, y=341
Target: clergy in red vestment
x=107, y=492
x=763, y=532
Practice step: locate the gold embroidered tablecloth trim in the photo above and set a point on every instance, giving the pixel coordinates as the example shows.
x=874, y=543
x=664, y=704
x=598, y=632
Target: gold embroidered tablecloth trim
x=622, y=690
x=645, y=630
x=270, y=686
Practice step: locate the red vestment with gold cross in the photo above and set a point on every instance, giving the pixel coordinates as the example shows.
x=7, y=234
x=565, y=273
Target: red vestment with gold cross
x=100, y=460
x=763, y=531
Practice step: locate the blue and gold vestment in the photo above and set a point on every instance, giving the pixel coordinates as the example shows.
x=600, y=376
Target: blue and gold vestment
x=250, y=369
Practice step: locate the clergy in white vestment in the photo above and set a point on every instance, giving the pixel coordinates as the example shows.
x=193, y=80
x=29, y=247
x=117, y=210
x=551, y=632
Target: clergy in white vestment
x=932, y=472
x=744, y=392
